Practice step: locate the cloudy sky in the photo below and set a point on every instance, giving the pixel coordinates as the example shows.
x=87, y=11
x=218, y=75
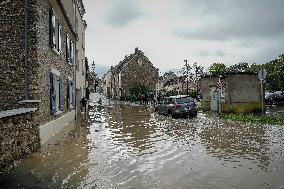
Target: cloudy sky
x=169, y=31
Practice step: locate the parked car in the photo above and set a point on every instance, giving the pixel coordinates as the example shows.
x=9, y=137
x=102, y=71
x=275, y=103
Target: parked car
x=177, y=106
x=275, y=98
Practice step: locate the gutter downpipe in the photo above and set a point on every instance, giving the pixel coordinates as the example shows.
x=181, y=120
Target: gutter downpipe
x=26, y=53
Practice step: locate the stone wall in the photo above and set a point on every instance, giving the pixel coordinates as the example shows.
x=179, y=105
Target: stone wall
x=48, y=59
x=139, y=71
x=243, y=92
x=12, y=53
x=19, y=137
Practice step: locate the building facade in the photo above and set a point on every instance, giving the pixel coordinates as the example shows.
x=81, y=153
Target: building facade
x=135, y=69
x=107, y=84
x=38, y=62
x=239, y=93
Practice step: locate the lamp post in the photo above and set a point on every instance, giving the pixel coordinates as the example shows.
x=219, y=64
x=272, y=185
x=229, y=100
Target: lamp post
x=186, y=66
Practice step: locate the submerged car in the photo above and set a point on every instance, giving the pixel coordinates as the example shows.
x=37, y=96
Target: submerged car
x=177, y=106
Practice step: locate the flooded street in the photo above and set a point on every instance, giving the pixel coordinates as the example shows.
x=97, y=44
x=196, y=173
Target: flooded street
x=130, y=146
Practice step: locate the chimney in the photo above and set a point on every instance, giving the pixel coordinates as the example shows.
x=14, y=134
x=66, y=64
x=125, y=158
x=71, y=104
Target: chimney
x=136, y=50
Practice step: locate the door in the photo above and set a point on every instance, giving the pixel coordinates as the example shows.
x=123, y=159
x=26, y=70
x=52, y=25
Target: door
x=108, y=92
x=213, y=99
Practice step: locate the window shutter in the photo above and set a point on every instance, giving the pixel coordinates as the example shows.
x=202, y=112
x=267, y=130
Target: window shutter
x=71, y=52
x=52, y=94
x=59, y=36
x=60, y=95
x=67, y=49
x=68, y=94
x=52, y=28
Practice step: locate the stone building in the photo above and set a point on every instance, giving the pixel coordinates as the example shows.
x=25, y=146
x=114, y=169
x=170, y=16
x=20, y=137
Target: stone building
x=41, y=44
x=135, y=69
x=107, y=84
x=241, y=93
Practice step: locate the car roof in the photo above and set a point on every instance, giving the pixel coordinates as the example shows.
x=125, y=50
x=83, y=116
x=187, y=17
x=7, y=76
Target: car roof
x=179, y=96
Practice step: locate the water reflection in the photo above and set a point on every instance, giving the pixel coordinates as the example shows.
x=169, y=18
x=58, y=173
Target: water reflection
x=127, y=146
x=132, y=126
x=233, y=141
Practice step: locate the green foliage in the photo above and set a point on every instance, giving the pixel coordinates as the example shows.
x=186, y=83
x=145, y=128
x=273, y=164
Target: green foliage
x=193, y=93
x=138, y=90
x=251, y=118
x=240, y=67
x=275, y=70
x=217, y=69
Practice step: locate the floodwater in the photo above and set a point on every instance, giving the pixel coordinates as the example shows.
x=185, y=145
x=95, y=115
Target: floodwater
x=129, y=146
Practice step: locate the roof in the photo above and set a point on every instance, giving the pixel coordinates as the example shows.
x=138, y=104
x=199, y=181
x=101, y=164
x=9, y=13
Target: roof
x=178, y=96
x=229, y=73
x=127, y=59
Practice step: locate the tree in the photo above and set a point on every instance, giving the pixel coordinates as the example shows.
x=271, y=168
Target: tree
x=137, y=90
x=192, y=73
x=240, y=67
x=275, y=76
x=217, y=69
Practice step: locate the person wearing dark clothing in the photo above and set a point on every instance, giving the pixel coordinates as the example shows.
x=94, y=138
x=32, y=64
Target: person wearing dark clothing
x=87, y=93
x=83, y=103
x=146, y=99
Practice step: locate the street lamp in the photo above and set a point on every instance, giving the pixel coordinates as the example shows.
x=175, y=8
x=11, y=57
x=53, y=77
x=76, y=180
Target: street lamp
x=186, y=66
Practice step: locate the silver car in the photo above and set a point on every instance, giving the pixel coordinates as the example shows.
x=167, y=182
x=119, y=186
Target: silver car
x=177, y=106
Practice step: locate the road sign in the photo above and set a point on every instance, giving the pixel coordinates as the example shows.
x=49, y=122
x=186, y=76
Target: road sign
x=262, y=74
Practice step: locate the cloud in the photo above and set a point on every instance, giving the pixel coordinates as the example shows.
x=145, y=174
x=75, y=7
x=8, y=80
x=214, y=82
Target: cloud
x=123, y=12
x=220, y=53
x=227, y=20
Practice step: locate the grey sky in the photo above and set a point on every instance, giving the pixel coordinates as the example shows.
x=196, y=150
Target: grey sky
x=168, y=31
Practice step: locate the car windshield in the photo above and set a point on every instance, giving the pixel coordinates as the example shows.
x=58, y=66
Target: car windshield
x=183, y=100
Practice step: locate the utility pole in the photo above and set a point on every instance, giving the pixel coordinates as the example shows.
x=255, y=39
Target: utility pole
x=186, y=76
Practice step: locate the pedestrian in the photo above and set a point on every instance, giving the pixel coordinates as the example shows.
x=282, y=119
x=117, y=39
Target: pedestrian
x=146, y=99
x=87, y=93
x=83, y=103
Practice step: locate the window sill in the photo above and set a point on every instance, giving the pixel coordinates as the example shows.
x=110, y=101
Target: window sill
x=56, y=51
x=29, y=101
x=58, y=113
x=10, y=113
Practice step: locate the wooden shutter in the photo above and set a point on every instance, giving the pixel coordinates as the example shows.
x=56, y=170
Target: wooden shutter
x=59, y=37
x=68, y=94
x=52, y=93
x=67, y=49
x=52, y=28
x=60, y=95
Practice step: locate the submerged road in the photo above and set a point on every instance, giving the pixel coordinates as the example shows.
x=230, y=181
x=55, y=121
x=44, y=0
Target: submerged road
x=130, y=146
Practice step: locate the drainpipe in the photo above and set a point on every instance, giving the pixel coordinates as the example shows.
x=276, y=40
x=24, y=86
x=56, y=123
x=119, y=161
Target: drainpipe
x=26, y=53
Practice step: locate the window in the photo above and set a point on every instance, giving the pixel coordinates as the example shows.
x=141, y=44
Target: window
x=70, y=94
x=69, y=50
x=55, y=93
x=55, y=28
x=83, y=70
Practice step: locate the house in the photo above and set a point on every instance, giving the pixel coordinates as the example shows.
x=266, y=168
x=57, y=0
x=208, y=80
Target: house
x=239, y=92
x=81, y=61
x=40, y=63
x=107, y=84
x=135, y=70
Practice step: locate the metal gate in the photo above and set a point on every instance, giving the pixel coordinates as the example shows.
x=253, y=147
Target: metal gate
x=213, y=99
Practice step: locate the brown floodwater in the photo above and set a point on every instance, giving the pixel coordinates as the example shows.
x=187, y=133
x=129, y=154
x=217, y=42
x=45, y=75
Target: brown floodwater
x=129, y=146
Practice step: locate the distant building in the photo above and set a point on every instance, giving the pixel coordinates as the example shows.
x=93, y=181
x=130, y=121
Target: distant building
x=107, y=84
x=135, y=69
x=241, y=93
